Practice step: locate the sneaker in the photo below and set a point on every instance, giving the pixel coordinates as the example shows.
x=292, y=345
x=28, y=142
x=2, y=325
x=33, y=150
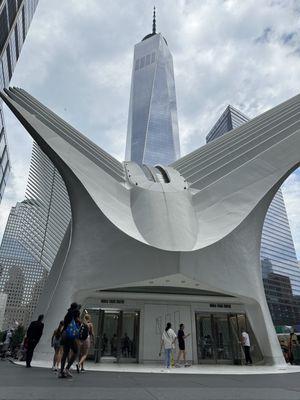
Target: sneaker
x=61, y=375
x=54, y=369
x=187, y=365
x=177, y=365
x=68, y=373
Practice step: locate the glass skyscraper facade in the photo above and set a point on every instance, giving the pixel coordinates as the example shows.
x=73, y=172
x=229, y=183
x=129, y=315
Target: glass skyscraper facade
x=152, y=134
x=280, y=269
x=32, y=237
x=15, y=18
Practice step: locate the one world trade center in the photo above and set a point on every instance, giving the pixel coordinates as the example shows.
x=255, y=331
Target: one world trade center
x=152, y=135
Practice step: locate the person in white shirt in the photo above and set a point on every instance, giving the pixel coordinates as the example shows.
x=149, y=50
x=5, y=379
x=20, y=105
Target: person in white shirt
x=167, y=341
x=246, y=344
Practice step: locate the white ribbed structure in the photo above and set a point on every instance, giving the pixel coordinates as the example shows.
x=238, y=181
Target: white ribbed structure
x=196, y=226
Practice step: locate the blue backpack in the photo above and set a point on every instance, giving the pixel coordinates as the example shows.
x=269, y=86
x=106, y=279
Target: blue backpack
x=72, y=330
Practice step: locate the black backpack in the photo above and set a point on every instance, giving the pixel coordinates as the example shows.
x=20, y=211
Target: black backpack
x=83, y=332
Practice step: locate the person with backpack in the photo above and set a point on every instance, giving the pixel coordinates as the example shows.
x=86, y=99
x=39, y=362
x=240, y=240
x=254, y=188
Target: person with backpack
x=56, y=344
x=70, y=334
x=167, y=341
x=86, y=334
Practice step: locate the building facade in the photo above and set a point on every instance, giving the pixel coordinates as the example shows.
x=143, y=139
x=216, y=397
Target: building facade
x=32, y=237
x=152, y=135
x=15, y=18
x=280, y=269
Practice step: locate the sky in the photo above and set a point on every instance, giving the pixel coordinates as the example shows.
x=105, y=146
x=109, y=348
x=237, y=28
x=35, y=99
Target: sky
x=77, y=60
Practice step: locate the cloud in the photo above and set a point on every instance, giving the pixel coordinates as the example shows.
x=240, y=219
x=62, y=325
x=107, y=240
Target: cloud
x=77, y=59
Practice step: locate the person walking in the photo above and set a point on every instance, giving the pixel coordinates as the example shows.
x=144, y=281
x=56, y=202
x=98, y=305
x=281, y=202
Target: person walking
x=70, y=333
x=181, y=344
x=292, y=343
x=246, y=345
x=86, y=335
x=33, y=335
x=56, y=344
x=167, y=341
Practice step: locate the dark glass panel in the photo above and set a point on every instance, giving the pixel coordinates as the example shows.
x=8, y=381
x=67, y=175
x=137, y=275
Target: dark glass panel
x=9, y=62
x=12, y=11
x=3, y=27
x=17, y=41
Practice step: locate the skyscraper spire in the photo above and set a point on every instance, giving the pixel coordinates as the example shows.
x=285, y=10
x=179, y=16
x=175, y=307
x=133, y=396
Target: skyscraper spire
x=154, y=21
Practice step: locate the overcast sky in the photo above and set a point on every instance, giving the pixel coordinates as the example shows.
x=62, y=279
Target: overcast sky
x=77, y=59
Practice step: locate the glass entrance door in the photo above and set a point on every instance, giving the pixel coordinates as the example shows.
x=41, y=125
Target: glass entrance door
x=205, y=338
x=223, y=338
x=109, y=335
x=129, y=337
x=214, y=338
x=117, y=337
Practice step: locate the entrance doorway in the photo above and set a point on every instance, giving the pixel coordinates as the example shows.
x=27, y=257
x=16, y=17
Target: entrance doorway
x=117, y=335
x=218, y=337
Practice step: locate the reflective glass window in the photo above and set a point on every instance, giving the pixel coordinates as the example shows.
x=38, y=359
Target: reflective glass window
x=9, y=66
x=17, y=41
x=12, y=11
x=3, y=28
x=142, y=62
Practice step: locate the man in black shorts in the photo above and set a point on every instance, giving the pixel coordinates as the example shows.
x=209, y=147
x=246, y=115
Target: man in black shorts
x=181, y=344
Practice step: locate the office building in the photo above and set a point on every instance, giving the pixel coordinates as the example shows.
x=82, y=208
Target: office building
x=280, y=269
x=32, y=237
x=152, y=135
x=15, y=18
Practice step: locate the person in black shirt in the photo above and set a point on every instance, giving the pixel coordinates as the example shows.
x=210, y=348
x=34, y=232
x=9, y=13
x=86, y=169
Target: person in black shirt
x=34, y=333
x=181, y=344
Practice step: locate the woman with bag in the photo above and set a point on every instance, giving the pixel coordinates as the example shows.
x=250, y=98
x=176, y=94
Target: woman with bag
x=167, y=341
x=69, y=338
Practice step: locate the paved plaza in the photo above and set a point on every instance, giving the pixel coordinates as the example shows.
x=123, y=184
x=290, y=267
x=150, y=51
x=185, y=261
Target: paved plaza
x=17, y=382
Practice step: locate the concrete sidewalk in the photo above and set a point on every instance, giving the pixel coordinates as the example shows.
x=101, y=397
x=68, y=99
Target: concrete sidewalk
x=20, y=383
x=194, y=369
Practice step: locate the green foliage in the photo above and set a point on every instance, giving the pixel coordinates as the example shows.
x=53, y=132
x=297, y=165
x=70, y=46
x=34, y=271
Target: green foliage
x=18, y=336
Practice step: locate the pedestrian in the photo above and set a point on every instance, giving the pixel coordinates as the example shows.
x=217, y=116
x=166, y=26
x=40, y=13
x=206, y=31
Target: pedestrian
x=292, y=342
x=167, y=341
x=181, y=344
x=70, y=333
x=33, y=335
x=6, y=348
x=245, y=340
x=56, y=344
x=285, y=349
x=86, y=335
